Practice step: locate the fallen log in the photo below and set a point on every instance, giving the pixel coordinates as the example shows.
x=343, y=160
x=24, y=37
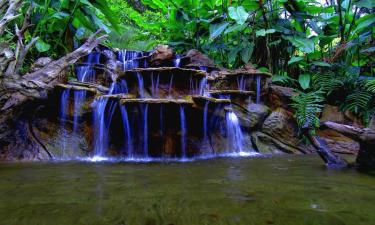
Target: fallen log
x=366, y=139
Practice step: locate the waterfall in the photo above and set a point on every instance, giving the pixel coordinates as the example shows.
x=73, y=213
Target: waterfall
x=234, y=133
x=170, y=86
x=177, y=61
x=202, y=86
x=93, y=58
x=79, y=99
x=145, y=131
x=205, y=113
x=154, y=85
x=64, y=106
x=241, y=83
x=140, y=85
x=101, y=122
x=258, y=78
x=128, y=59
x=183, y=132
x=127, y=131
x=85, y=74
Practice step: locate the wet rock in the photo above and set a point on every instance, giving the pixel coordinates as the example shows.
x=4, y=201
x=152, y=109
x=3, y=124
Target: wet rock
x=198, y=59
x=161, y=54
x=281, y=126
x=257, y=114
x=339, y=143
x=266, y=144
x=251, y=116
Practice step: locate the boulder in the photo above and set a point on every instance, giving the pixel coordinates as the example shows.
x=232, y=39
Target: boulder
x=281, y=126
x=161, y=54
x=279, y=96
x=257, y=114
x=333, y=114
x=198, y=59
x=339, y=143
x=266, y=144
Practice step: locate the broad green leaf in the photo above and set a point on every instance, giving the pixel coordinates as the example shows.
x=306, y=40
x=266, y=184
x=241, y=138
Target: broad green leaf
x=320, y=63
x=235, y=28
x=263, y=32
x=364, y=22
x=303, y=44
x=304, y=81
x=233, y=54
x=41, y=46
x=247, y=52
x=217, y=29
x=295, y=59
x=239, y=14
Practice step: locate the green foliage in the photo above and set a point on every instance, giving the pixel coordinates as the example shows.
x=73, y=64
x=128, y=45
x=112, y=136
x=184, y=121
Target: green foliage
x=307, y=106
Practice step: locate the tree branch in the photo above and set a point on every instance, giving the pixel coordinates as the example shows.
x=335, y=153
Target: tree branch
x=10, y=14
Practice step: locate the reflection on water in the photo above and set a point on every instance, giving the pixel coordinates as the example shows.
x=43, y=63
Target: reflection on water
x=277, y=190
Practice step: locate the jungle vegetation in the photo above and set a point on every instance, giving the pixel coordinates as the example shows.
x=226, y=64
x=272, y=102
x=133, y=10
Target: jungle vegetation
x=323, y=49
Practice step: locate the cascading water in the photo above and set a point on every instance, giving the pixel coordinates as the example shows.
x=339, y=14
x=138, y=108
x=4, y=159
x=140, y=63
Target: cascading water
x=137, y=146
x=202, y=86
x=64, y=104
x=241, y=82
x=128, y=59
x=258, y=79
x=177, y=61
x=85, y=74
x=140, y=85
x=79, y=99
x=234, y=133
x=170, y=86
x=102, y=120
x=183, y=132
x=93, y=58
x=154, y=85
x=127, y=132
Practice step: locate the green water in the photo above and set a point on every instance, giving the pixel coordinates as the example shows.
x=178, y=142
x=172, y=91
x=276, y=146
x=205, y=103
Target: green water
x=279, y=190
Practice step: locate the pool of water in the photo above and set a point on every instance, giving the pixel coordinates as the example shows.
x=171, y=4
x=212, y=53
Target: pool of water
x=263, y=190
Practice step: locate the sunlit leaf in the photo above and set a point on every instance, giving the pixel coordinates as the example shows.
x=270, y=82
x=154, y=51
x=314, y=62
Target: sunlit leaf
x=239, y=14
